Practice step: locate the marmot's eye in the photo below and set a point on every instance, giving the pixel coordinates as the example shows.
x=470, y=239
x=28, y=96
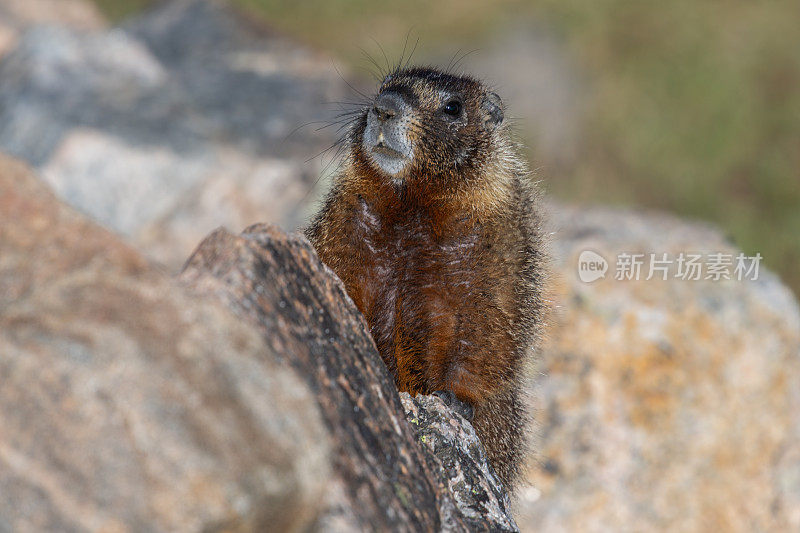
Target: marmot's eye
x=452, y=108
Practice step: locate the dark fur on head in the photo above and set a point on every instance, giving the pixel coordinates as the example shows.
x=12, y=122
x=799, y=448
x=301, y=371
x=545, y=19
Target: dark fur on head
x=445, y=121
x=432, y=226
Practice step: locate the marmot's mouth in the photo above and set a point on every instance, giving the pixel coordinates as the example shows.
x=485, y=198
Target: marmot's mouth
x=389, y=160
x=386, y=151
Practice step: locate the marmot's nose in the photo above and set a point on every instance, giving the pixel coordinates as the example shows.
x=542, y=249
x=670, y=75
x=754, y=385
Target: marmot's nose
x=388, y=105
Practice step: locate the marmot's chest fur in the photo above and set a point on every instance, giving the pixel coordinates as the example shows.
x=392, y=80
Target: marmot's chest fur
x=433, y=295
x=432, y=226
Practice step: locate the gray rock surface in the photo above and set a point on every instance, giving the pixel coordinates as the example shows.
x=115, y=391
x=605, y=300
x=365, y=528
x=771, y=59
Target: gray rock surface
x=18, y=15
x=461, y=460
x=181, y=121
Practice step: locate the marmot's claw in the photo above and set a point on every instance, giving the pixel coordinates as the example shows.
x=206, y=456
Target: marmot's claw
x=450, y=400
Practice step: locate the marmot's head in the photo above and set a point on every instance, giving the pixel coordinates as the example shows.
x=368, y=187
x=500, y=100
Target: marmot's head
x=428, y=124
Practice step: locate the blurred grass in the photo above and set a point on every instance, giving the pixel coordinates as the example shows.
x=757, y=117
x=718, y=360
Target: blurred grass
x=696, y=109
x=692, y=106
x=117, y=10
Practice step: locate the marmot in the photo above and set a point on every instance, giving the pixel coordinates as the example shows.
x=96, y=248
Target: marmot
x=432, y=225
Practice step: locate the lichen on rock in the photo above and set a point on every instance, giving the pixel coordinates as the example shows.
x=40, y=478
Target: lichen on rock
x=461, y=460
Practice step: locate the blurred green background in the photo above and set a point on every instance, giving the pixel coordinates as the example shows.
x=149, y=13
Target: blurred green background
x=687, y=106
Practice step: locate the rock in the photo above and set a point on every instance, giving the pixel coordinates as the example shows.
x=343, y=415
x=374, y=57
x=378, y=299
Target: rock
x=130, y=405
x=189, y=127
x=8, y=38
x=390, y=481
x=664, y=405
x=276, y=282
x=81, y=14
x=252, y=87
x=18, y=15
x=461, y=461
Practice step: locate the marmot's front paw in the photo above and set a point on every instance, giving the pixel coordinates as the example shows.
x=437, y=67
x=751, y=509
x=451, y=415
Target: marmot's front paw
x=463, y=408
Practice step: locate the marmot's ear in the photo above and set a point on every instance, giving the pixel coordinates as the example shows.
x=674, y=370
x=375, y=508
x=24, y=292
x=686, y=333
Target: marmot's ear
x=493, y=111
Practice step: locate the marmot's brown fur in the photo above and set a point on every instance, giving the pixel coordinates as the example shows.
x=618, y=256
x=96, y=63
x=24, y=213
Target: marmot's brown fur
x=432, y=226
